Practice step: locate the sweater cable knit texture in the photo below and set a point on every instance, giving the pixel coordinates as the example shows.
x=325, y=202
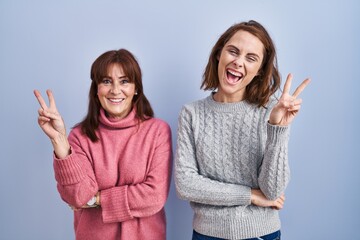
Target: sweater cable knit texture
x=223, y=151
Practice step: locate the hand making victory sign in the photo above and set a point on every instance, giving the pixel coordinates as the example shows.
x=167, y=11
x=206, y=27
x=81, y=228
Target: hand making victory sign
x=52, y=124
x=289, y=105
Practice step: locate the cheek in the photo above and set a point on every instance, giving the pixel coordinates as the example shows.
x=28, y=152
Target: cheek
x=259, y=67
x=101, y=90
x=221, y=63
x=256, y=69
x=223, y=59
x=130, y=90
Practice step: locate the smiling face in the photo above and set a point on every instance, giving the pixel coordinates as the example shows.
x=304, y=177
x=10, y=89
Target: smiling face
x=239, y=62
x=116, y=92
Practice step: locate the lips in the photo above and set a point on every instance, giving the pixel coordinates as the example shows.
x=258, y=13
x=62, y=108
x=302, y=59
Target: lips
x=233, y=76
x=116, y=100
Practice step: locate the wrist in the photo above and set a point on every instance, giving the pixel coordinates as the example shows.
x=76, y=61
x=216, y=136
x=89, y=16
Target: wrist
x=272, y=122
x=61, y=146
x=94, y=201
x=254, y=195
x=98, y=198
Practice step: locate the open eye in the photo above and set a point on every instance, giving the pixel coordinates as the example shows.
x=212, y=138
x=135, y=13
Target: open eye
x=124, y=81
x=106, y=81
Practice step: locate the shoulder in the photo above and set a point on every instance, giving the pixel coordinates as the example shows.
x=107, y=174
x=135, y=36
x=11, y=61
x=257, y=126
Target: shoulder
x=192, y=107
x=155, y=130
x=77, y=136
x=196, y=103
x=267, y=107
x=264, y=112
x=157, y=124
x=76, y=132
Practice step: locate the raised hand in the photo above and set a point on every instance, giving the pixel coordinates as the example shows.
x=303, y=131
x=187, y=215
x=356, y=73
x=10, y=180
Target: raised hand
x=289, y=105
x=52, y=124
x=49, y=118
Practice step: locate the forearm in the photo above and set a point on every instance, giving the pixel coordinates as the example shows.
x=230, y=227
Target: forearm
x=220, y=195
x=123, y=203
x=192, y=186
x=76, y=181
x=275, y=172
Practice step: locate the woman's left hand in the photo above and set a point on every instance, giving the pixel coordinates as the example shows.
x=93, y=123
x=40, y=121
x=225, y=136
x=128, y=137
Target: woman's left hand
x=97, y=203
x=289, y=105
x=82, y=207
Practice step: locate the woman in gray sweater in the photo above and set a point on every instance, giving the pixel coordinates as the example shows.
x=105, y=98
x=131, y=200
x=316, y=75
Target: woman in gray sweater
x=232, y=147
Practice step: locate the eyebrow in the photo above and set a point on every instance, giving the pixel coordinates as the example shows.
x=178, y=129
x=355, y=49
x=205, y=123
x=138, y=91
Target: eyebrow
x=121, y=77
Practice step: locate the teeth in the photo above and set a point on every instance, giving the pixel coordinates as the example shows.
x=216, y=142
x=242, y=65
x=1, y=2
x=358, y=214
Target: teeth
x=235, y=73
x=117, y=100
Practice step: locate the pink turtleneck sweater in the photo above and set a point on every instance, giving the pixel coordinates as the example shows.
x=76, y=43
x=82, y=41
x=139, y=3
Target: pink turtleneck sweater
x=131, y=167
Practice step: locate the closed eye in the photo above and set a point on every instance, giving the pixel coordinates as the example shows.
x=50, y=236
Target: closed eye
x=233, y=51
x=252, y=59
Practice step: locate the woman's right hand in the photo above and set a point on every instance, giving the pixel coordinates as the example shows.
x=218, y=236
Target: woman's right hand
x=259, y=199
x=49, y=118
x=52, y=124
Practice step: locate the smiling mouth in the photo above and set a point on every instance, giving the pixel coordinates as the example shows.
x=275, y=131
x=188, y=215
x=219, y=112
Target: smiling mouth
x=233, y=76
x=116, y=100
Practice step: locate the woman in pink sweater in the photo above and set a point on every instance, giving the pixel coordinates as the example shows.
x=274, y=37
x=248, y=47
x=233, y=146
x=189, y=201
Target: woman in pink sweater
x=114, y=167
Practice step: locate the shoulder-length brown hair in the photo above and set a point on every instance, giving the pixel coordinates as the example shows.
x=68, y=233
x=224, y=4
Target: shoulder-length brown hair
x=99, y=70
x=266, y=83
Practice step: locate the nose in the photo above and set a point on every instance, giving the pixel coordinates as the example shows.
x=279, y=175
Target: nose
x=239, y=62
x=115, y=88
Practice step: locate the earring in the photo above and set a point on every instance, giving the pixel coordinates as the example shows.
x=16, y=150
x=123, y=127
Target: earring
x=135, y=93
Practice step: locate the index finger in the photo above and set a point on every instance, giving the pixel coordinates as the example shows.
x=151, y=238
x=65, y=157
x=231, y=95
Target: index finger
x=288, y=83
x=301, y=87
x=40, y=99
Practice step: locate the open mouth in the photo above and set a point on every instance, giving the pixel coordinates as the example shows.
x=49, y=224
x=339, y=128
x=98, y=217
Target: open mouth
x=116, y=100
x=233, y=76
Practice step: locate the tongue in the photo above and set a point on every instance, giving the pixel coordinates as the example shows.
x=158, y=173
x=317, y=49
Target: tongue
x=231, y=78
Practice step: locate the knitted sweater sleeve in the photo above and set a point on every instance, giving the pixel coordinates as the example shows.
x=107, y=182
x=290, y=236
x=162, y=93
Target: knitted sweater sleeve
x=122, y=203
x=190, y=184
x=274, y=172
x=74, y=174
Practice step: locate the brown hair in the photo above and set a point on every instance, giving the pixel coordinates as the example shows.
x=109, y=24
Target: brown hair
x=99, y=70
x=266, y=83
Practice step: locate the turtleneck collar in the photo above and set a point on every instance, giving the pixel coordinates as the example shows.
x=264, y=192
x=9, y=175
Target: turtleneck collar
x=129, y=121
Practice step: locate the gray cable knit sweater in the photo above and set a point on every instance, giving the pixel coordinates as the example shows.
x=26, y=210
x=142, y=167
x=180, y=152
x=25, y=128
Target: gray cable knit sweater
x=223, y=151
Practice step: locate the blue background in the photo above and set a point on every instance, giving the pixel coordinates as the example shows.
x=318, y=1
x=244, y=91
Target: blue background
x=51, y=44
